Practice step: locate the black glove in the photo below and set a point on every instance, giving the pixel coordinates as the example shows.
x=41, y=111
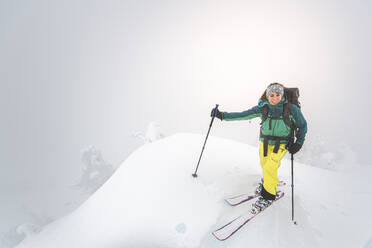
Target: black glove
x=219, y=115
x=294, y=148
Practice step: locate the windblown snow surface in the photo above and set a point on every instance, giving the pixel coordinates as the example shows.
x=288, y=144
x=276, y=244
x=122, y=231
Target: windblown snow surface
x=153, y=201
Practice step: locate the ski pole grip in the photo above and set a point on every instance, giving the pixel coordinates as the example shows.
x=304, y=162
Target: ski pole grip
x=215, y=112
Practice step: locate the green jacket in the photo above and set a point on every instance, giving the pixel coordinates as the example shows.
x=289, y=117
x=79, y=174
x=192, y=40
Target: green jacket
x=274, y=111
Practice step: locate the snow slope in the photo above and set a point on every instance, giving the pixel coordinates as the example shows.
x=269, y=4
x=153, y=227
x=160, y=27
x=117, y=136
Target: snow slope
x=153, y=201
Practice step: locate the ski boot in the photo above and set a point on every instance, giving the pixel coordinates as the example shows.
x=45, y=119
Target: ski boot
x=260, y=205
x=259, y=187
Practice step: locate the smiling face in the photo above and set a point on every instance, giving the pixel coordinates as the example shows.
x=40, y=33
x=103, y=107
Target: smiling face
x=274, y=98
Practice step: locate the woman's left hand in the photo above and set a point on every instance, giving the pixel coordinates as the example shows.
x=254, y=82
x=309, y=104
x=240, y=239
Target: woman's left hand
x=294, y=148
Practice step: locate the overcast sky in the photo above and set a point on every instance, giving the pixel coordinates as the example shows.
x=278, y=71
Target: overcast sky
x=80, y=73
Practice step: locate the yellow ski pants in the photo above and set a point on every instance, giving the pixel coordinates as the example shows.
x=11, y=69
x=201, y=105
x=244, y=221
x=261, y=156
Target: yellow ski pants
x=270, y=165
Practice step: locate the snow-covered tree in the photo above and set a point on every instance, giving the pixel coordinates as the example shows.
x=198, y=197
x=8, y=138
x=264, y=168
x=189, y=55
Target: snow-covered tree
x=152, y=134
x=28, y=229
x=32, y=224
x=96, y=171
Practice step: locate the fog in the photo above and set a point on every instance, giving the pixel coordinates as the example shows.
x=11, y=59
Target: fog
x=81, y=73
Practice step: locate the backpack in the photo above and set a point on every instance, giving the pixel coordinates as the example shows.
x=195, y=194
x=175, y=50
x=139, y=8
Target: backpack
x=292, y=95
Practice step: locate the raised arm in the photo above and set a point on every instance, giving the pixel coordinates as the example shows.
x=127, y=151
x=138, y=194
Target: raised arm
x=245, y=115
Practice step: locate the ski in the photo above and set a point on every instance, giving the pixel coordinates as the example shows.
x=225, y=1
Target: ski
x=239, y=199
x=233, y=226
x=236, y=200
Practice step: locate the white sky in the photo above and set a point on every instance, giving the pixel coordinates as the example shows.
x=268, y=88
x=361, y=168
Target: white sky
x=80, y=73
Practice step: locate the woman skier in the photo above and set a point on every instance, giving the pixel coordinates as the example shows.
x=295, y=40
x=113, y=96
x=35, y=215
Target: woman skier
x=282, y=121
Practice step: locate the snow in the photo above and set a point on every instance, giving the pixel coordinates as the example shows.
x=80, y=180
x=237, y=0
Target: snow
x=153, y=201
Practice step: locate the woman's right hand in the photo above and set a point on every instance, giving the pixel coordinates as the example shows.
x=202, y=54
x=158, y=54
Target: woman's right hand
x=217, y=113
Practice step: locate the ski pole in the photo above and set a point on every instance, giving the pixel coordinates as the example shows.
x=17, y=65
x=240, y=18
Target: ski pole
x=292, y=185
x=210, y=125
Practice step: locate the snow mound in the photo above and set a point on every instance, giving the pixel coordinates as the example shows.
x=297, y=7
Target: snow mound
x=153, y=201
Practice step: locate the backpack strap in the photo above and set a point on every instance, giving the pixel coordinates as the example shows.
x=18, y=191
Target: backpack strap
x=266, y=139
x=287, y=120
x=265, y=113
x=286, y=112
